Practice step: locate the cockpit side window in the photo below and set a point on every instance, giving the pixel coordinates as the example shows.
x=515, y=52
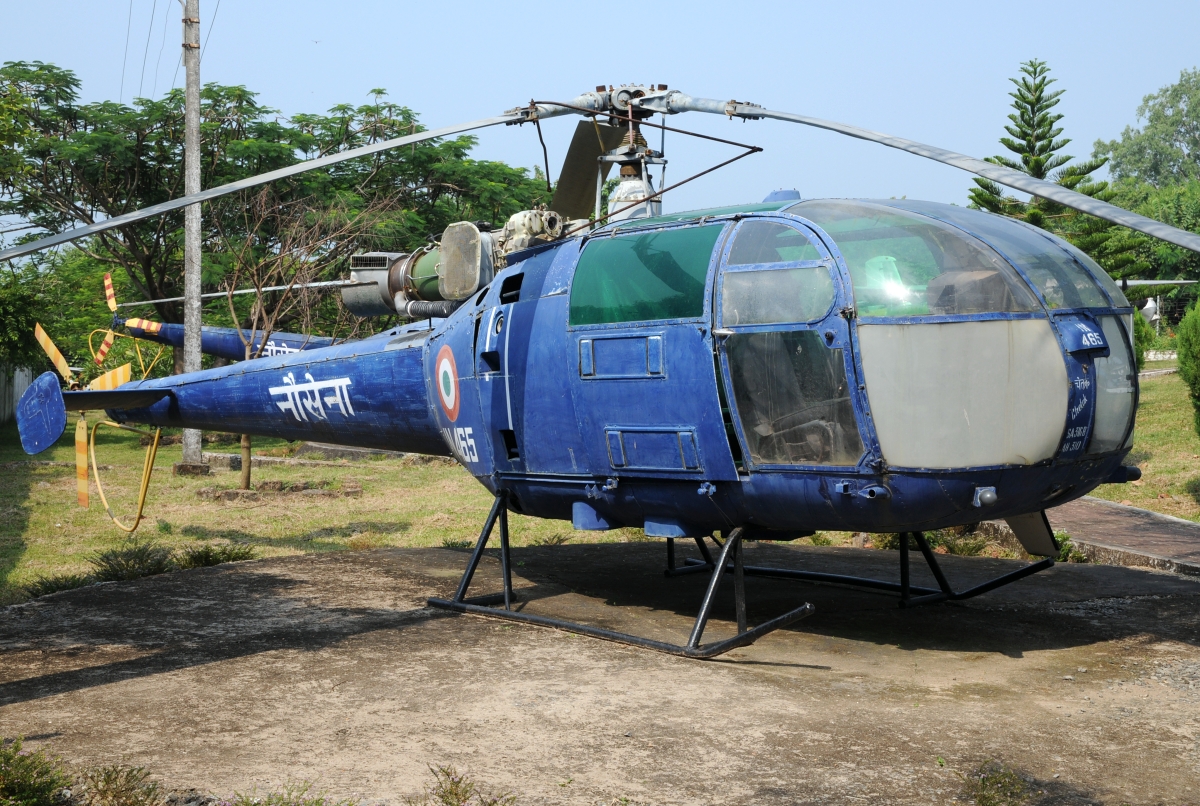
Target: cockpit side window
x=774, y=274
x=903, y=264
x=643, y=276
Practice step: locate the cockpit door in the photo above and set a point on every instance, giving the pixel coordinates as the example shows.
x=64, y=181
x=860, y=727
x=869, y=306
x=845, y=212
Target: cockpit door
x=785, y=349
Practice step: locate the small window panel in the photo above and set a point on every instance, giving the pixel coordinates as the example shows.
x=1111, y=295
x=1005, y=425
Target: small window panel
x=775, y=295
x=770, y=242
x=644, y=276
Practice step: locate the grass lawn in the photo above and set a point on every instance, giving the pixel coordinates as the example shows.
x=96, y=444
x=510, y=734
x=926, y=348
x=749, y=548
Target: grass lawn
x=404, y=503
x=1166, y=448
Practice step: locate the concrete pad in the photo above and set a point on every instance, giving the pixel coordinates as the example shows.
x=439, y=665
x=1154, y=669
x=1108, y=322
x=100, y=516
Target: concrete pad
x=330, y=668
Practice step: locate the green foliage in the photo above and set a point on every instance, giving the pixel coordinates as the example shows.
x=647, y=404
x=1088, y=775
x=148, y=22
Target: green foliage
x=66, y=163
x=1187, y=342
x=1067, y=552
x=29, y=777
x=1166, y=149
x=956, y=541
x=1143, y=338
x=1034, y=137
x=134, y=560
x=19, y=312
x=300, y=794
x=558, y=539
x=44, y=586
x=209, y=554
x=449, y=788
x=994, y=784
x=1176, y=204
x=137, y=559
x=119, y=785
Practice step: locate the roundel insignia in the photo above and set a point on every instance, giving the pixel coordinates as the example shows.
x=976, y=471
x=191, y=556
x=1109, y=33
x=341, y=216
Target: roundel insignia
x=446, y=380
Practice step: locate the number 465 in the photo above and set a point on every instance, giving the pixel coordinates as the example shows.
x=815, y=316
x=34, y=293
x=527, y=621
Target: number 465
x=466, y=444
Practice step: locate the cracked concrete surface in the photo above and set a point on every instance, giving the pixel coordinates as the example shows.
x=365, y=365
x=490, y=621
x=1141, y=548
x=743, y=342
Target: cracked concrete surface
x=330, y=668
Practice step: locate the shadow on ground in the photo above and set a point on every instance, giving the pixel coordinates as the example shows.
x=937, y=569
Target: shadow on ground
x=206, y=616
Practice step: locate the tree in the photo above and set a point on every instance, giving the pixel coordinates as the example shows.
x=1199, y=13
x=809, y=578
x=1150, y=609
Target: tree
x=1034, y=136
x=1166, y=149
x=1188, y=344
x=64, y=164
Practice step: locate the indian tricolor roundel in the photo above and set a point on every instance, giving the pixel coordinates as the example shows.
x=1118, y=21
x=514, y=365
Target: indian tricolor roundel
x=446, y=379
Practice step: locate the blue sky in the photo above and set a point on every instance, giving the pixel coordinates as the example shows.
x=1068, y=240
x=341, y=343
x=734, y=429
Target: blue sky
x=933, y=72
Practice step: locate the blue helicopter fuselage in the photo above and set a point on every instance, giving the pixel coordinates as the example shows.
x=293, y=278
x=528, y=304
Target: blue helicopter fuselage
x=785, y=367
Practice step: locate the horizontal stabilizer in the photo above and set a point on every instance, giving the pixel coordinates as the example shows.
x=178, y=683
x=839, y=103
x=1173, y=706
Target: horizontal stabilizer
x=113, y=399
x=42, y=410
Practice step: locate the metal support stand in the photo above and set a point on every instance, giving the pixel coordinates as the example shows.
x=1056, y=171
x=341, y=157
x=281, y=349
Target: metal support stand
x=731, y=550
x=944, y=592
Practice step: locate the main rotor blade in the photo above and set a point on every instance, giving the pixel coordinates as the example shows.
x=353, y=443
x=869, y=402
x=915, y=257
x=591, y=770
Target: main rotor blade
x=678, y=102
x=249, y=182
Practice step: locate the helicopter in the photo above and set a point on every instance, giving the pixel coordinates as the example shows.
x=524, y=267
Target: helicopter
x=753, y=372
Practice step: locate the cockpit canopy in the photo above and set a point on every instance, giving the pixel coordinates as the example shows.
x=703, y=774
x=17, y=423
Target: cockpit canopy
x=906, y=259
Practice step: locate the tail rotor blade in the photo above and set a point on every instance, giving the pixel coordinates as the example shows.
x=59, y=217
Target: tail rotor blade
x=81, y=462
x=105, y=346
x=575, y=194
x=112, y=379
x=143, y=324
x=56, y=357
x=110, y=296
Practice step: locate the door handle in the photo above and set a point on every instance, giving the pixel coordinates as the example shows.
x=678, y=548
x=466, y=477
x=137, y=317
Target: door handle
x=722, y=332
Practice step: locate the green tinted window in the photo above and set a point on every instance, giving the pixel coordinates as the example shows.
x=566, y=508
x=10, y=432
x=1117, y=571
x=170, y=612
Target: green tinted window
x=651, y=275
x=770, y=242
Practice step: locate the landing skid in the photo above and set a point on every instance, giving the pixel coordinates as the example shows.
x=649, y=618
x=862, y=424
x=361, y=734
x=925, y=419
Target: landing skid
x=910, y=595
x=730, y=558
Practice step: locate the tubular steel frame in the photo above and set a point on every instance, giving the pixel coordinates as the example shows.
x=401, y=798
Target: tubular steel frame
x=731, y=549
x=944, y=592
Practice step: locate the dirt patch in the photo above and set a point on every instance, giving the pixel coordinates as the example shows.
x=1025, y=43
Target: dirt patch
x=330, y=668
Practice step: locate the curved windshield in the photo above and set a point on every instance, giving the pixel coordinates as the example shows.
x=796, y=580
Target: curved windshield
x=903, y=264
x=1064, y=283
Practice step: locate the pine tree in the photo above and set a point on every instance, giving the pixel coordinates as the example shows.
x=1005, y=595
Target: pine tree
x=1034, y=136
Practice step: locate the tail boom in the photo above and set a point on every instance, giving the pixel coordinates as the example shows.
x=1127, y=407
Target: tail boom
x=363, y=394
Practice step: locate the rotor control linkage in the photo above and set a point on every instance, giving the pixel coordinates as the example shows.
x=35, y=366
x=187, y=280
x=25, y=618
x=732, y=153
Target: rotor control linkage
x=910, y=595
x=731, y=555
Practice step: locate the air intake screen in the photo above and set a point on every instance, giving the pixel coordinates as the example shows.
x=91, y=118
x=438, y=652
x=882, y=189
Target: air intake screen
x=370, y=261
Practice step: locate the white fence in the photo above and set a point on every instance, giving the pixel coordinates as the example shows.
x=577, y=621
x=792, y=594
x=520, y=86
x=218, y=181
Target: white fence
x=13, y=383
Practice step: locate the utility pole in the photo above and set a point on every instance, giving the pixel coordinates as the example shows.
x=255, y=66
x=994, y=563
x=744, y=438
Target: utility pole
x=191, y=217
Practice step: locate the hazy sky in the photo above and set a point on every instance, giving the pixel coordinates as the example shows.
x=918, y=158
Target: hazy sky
x=933, y=72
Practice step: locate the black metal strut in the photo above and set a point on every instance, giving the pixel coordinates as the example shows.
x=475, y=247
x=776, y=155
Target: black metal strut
x=943, y=592
x=730, y=554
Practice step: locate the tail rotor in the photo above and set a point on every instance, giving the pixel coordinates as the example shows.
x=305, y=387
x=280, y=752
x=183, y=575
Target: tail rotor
x=109, y=380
